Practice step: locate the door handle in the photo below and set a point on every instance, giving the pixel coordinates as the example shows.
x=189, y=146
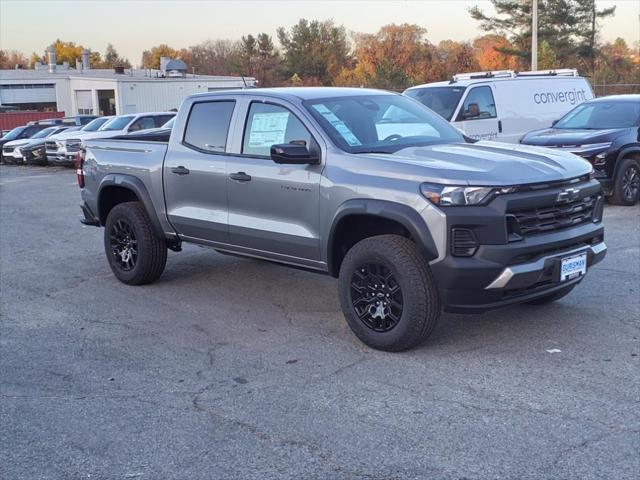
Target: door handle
x=499, y=126
x=180, y=170
x=240, y=177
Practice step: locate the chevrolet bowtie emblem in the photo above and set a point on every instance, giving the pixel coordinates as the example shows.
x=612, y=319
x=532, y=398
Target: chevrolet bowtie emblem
x=568, y=195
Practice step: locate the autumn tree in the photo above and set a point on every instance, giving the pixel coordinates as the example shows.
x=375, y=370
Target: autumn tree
x=568, y=26
x=214, y=57
x=457, y=57
x=315, y=49
x=489, y=52
x=151, y=58
x=11, y=58
x=113, y=59
x=395, y=57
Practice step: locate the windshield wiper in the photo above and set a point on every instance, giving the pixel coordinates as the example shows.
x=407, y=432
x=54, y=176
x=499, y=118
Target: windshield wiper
x=374, y=151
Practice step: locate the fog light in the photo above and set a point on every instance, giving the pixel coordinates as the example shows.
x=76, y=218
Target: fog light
x=463, y=242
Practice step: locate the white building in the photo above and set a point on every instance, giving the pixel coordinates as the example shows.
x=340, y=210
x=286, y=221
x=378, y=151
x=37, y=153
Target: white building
x=106, y=92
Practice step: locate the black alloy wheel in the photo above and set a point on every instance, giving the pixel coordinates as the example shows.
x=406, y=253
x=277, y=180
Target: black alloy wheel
x=124, y=245
x=631, y=183
x=376, y=296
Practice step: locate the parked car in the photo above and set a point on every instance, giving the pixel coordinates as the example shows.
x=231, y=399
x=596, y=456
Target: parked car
x=160, y=134
x=18, y=133
x=121, y=125
x=56, y=145
x=365, y=185
x=606, y=132
x=504, y=105
x=12, y=151
x=78, y=120
x=33, y=151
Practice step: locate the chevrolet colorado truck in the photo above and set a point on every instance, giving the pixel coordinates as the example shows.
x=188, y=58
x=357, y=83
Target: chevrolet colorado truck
x=368, y=186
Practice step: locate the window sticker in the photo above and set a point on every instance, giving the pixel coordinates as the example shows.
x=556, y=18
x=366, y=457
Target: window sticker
x=338, y=124
x=268, y=129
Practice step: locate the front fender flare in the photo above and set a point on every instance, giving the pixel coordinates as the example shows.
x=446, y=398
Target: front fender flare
x=398, y=212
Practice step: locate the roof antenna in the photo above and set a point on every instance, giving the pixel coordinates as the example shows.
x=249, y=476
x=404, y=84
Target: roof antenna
x=244, y=81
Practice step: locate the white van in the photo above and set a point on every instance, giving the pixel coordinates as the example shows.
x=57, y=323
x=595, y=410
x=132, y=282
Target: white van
x=504, y=105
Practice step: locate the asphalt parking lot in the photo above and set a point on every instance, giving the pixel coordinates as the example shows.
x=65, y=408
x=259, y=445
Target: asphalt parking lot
x=228, y=368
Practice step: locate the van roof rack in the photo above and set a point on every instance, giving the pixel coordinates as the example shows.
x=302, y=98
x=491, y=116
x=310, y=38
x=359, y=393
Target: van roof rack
x=572, y=72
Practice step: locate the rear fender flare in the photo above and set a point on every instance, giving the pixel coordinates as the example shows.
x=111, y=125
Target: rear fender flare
x=137, y=187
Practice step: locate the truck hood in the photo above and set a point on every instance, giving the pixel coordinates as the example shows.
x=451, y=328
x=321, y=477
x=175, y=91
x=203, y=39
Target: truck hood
x=18, y=143
x=101, y=134
x=561, y=137
x=68, y=134
x=484, y=163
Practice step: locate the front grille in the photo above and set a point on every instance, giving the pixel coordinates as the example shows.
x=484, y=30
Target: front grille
x=7, y=150
x=555, y=217
x=74, y=145
x=51, y=146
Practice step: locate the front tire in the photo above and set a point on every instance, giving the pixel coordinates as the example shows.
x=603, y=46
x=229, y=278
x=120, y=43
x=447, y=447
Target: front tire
x=626, y=190
x=387, y=293
x=135, y=254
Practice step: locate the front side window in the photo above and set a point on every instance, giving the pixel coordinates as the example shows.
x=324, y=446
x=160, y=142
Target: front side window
x=478, y=105
x=602, y=114
x=208, y=126
x=143, y=123
x=442, y=100
x=269, y=125
x=117, y=123
x=380, y=123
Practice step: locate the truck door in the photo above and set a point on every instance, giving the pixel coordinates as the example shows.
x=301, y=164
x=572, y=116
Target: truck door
x=273, y=208
x=195, y=180
x=477, y=117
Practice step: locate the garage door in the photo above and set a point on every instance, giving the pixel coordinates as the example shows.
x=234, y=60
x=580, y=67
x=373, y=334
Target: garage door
x=84, y=102
x=17, y=93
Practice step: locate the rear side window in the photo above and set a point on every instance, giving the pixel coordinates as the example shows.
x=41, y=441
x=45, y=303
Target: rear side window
x=478, y=105
x=160, y=120
x=270, y=125
x=208, y=126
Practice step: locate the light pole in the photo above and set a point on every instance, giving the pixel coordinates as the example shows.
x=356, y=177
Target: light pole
x=534, y=35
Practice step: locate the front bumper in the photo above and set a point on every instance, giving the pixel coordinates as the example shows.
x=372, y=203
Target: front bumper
x=501, y=275
x=507, y=268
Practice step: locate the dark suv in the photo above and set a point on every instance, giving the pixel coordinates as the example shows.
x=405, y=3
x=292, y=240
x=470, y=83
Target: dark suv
x=606, y=132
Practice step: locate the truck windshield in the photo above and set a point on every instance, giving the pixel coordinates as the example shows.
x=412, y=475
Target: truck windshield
x=601, y=114
x=380, y=123
x=13, y=134
x=95, y=124
x=45, y=133
x=117, y=123
x=442, y=100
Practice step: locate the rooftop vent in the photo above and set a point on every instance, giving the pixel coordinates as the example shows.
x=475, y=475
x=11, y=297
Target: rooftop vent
x=51, y=58
x=119, y=69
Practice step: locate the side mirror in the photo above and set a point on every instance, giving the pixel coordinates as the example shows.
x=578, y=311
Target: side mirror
x=553, y=124
x=293, y=153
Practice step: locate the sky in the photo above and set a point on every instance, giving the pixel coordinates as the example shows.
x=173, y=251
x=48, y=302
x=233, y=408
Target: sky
x=133, y=26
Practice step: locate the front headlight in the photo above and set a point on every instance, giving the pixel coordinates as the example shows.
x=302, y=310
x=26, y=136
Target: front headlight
x=458, y=195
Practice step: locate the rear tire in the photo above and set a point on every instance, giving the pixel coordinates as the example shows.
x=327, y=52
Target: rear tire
x=552, y=297
x=626, y=187
x=135, y=254
x=387, y=293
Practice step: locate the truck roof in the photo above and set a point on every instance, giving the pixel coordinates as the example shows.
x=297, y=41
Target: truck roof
x=301, y=93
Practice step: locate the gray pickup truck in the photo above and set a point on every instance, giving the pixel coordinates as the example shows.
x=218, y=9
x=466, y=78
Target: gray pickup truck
x=364, y=185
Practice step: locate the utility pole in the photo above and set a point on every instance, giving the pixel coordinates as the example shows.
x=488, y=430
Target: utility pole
x=534, y=35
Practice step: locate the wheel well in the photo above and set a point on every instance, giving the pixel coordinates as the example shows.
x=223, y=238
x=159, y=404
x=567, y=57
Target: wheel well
x=635, y=155
x=110, y=197
x=353, y=228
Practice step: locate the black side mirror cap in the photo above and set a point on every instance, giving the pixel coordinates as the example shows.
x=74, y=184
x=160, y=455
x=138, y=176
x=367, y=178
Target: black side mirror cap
x=293, y=154
x=553, y=124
